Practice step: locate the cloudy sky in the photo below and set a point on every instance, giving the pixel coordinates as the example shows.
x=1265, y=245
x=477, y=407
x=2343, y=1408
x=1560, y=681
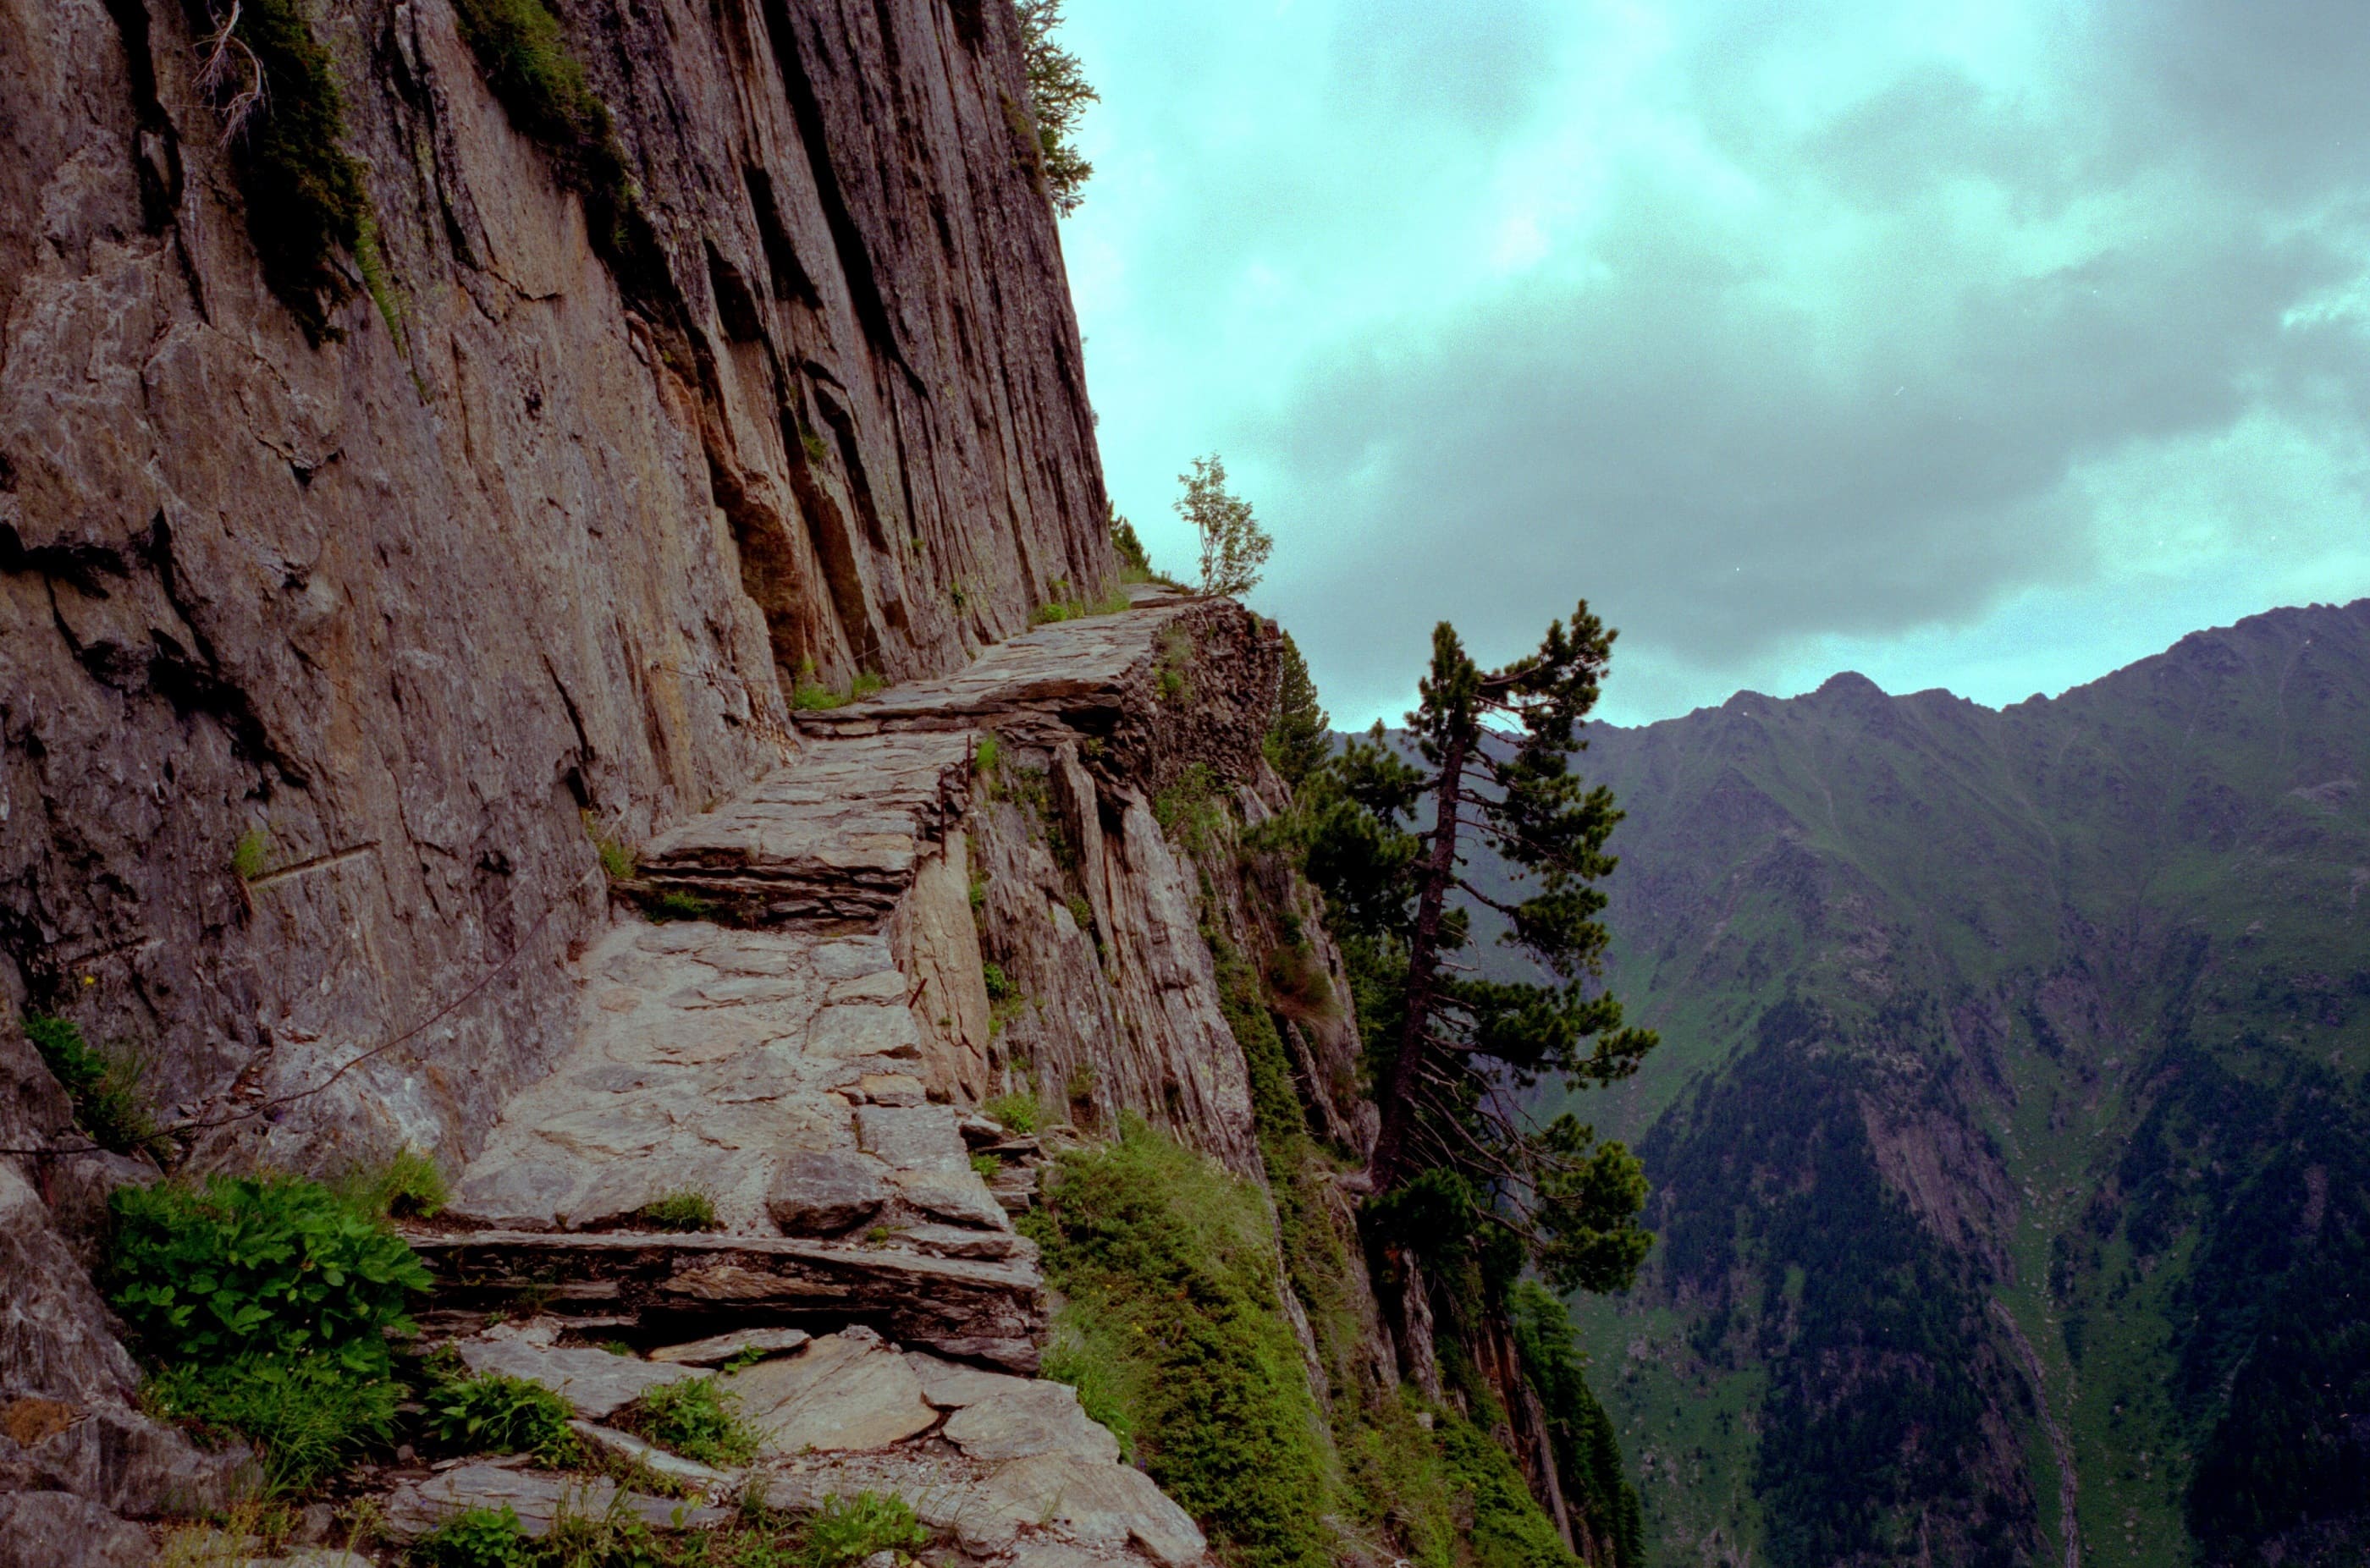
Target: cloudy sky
x=1986, y=345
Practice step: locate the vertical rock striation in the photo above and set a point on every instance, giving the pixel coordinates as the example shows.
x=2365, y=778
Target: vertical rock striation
x=550, y=535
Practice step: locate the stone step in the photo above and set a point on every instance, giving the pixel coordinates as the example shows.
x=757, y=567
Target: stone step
x=985, y=1310
x=832, y=839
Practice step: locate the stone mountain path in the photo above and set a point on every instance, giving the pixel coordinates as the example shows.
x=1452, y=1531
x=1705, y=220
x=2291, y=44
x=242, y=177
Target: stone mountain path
x=805, y=1060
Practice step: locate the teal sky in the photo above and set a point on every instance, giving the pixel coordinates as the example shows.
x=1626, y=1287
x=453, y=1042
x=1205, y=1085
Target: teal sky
x=1988, y=346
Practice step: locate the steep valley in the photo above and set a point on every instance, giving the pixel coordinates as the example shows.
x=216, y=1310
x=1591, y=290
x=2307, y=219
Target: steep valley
x=2010, y=1131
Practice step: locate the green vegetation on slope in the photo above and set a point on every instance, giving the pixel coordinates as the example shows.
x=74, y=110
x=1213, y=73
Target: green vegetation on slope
x=1173, y=1324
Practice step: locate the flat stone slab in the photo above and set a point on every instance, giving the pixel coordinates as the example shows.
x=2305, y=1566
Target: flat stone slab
x=539, y=1497
x=595, y=1384
x=1035, y=1418
x=705, y=1056
x=845, y=1391
x=717, y=1349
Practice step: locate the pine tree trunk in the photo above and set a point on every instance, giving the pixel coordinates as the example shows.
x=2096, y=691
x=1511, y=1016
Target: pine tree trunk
x=1389, y=1165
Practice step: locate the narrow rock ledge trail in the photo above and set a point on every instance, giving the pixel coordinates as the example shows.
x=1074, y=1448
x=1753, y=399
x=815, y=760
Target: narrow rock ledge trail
x=808, y=1054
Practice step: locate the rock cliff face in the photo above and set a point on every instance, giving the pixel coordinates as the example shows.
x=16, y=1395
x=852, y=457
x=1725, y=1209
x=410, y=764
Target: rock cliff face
x=396, y=609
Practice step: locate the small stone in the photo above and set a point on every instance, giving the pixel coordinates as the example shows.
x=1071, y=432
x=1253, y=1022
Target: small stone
x=717, y=1349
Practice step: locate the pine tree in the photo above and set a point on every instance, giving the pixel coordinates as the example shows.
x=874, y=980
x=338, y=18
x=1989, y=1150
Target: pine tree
x=1456, y=1156
x=1058, y=94
x=1297, y=742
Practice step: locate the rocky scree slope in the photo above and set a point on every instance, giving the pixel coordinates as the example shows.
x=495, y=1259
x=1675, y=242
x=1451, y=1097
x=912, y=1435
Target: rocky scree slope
x=2009, y=1132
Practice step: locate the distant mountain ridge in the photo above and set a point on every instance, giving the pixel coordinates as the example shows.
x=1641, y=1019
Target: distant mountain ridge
x=2010, y=1138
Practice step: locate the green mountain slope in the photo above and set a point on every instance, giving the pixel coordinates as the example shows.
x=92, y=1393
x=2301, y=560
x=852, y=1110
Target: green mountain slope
x=2010, y=1136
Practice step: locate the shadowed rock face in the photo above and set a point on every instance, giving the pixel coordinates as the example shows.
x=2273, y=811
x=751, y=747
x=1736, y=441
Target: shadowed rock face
x=407, y=606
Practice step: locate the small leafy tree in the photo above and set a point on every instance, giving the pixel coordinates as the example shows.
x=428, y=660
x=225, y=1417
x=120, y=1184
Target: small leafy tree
x=1297, y=742
x=1456, y=1157
x=1235, y=548
x=1059, y=94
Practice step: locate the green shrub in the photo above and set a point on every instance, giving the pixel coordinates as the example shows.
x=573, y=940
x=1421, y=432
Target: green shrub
x=850, y=1529
x=480, y=1537
x=986, y=1167
x=685, y=1210
x=110, y=1103
x=258, y=1265
x=999, y=986
x=1016, y=1113
x=490, y=1413
x=695, y=1418
x=1167, y=1264
x=409, y=1186
x=308, y=1416
x=984, y=756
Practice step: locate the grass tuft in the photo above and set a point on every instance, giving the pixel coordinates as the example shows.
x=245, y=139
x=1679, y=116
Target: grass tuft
x=685, y=1210
x=409, y=1186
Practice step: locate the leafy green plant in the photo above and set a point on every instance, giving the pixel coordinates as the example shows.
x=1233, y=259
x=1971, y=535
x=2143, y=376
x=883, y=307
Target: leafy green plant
x=110, y=1101
x=258, y=1265
x=491, y=1413
x=251, y=856
x=849, y=1529
x=1016, y=1113
x=480, y=1537
x=999, y=984
x=697, y=1418
x=685, y=1210
x=308, y=1416
x=407, y=1186
x=984, y=756
x=987, y=1167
